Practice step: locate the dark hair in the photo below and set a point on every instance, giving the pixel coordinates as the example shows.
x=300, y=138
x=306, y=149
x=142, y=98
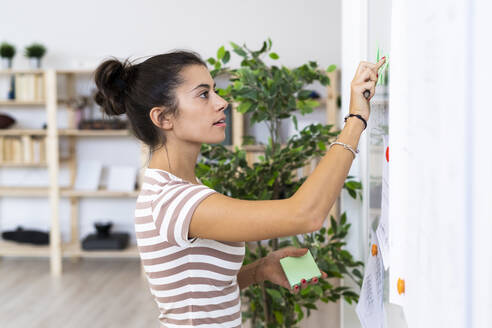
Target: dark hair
x=135, y=89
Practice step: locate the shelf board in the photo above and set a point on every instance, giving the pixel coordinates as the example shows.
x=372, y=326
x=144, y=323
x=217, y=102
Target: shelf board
x=98, y=193
x=24, y=191
x=20, y=164
x=94, y=133
x=6, y=102
x=82, y=71
x=67, y=132
x=12, y=248
x=76, y=250
x=22, y=132
x=64, y=192
x=21, y=71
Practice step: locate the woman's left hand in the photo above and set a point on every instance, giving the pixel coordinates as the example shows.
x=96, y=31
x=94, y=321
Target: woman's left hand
x=271, y=269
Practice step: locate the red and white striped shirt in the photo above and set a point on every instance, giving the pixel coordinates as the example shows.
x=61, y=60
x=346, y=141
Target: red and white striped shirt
x=193, y=281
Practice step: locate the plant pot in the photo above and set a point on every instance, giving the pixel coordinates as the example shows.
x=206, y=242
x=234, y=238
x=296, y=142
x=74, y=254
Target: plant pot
x=6, y=63
x=34, y=62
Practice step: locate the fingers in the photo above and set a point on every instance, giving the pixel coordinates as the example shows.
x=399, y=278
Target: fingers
x=299, y=252
x=371, y=67
x=293, y=251
x=380, y=63
x=366, y=74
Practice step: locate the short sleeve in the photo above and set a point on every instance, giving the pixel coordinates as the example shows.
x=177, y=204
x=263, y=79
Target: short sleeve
x=173, y=208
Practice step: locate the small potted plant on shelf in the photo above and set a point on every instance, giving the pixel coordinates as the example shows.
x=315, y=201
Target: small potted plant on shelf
x=7, y=52
x=268, y=94
x=35, y=52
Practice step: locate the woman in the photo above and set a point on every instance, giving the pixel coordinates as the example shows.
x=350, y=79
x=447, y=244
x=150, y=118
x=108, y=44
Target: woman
x=190, y=237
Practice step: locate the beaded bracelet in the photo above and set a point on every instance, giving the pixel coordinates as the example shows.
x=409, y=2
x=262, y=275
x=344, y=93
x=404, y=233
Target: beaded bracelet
x=344, y=146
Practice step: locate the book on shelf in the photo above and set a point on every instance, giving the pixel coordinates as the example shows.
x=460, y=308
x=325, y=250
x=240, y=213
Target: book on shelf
x=29, y=87
x=27, y=149
x=22, y=149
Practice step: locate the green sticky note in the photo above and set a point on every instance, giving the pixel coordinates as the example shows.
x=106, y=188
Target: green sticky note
x=296, y=268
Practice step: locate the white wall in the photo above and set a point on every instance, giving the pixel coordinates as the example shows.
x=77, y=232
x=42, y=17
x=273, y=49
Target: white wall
x=82, y=33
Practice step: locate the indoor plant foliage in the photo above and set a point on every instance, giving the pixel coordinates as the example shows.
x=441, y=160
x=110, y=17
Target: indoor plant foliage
x=7, y=52
x=269, y=93
x=35, y=52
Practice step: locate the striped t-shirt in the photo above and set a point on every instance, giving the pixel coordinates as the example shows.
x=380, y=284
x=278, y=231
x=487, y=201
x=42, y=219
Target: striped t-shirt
x=193, y=281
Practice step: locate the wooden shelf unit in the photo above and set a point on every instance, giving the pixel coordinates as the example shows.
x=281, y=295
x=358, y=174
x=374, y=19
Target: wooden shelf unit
x=57, y=249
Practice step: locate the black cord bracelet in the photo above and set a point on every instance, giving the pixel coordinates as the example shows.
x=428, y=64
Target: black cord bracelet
x=356, y=115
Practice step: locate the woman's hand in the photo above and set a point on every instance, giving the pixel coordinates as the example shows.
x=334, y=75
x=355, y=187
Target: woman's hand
x=365, y=78
x=271, y=269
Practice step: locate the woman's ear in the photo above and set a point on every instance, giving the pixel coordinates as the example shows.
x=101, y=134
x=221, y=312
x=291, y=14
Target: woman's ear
x=160, y=119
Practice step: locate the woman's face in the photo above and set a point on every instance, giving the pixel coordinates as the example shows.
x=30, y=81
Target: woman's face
x=199, y=108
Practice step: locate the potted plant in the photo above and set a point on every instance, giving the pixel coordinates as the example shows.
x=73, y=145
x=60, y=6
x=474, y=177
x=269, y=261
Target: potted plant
x=7, y=52
x=35, y=52
x=269, y=93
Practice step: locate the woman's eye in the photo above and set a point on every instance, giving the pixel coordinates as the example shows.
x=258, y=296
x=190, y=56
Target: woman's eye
x=205, y=93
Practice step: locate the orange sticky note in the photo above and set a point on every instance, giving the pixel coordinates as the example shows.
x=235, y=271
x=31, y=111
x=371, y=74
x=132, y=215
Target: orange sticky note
x=374, y=250
x=401, y=286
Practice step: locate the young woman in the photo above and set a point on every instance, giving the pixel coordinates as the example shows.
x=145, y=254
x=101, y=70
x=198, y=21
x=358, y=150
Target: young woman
x=191, y=238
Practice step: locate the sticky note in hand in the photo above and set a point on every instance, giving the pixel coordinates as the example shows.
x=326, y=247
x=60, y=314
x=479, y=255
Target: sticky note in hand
x=297, y=268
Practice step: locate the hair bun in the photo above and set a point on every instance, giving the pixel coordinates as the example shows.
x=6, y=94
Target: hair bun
x=112, y=81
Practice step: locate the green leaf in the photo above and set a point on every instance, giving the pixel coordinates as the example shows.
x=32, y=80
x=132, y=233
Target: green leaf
x=298, y=309
x=220, y=53
x=321, y=145
x=331, y=68
x=279, y=317
x=352, y=193
x=275, y=294
x=211, y=61
x=294, y=119
x=310, y=306
x=244, y=106
x=274, y=55
x=226, y=57
x=238, y=50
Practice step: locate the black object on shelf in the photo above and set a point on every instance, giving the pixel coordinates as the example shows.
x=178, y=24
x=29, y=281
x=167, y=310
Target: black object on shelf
x=105, y=124
x=103, y=228
x=314, y=95
x=104, y=239
x=27, y=236
x=6, y=121
x=115, y=240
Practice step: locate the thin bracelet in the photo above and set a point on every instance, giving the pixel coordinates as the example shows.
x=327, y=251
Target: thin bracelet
x=358, y=116
x=344, y=146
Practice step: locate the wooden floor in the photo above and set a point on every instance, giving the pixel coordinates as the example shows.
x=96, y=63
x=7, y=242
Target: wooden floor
x=91, y=293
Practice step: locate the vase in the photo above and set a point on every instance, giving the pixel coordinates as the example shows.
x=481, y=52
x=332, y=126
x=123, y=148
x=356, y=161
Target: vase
x=34, y=62
x=6, y=63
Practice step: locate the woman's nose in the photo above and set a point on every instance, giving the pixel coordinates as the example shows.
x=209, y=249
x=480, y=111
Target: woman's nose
x=223, y=105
